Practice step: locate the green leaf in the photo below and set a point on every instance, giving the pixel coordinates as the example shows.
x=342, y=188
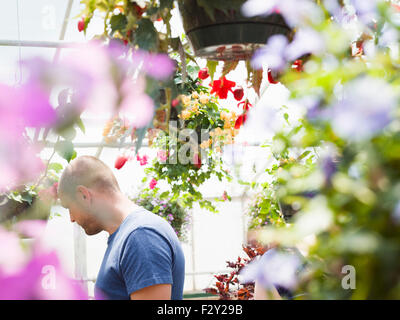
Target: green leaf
x=304, y=154
x=286, y=116
x=166, y=4
x=146, y=36
x=81, y=126
x=27, y=198
x=212, y=67
x=229, y=66
x=65, y=149
x=57, y=167
x=118, y=23
x=140, y=133
x=74, y=155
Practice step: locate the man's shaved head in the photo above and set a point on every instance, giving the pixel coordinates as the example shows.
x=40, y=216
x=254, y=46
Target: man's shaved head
x=89, y=172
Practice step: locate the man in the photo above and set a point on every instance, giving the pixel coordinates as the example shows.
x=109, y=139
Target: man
x=144, y=259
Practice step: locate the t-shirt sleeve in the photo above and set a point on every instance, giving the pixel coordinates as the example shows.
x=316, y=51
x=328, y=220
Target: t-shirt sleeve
x=146, y=260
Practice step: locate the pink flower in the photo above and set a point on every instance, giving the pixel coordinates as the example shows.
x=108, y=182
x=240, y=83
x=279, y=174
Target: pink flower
x=19, y=161
x=136, y=105
x=142, y=160
x=162, y=155
x=27, y=105
x=43, y=279
x=49, y=194
x=153, y=183
x=159, y=66
x=12, y=256
x=31, y=228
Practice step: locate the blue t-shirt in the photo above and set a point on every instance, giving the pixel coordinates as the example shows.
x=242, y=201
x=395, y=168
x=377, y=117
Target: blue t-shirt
x=142, y=252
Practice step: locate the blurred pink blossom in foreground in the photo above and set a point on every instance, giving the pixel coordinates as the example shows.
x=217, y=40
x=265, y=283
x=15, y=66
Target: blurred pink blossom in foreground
x=36, y=274
x=95, y=77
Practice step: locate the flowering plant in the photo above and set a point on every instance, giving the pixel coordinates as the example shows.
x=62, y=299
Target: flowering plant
x=171, y=211
x=189, y=153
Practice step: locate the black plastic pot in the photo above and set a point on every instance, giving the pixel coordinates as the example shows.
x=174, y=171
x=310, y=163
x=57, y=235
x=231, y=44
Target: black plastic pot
x=228, y=36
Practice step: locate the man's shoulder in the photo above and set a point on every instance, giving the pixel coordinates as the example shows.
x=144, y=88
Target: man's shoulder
x=141, y=218
x=142, y=222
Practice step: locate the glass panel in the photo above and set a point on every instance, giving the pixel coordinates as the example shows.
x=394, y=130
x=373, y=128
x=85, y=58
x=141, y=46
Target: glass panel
x=38, y=20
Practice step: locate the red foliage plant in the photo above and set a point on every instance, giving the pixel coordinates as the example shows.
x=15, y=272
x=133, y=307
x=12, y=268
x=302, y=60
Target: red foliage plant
x=227, y=286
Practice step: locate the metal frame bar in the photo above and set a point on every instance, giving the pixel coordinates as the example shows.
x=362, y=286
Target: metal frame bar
x=38, y=44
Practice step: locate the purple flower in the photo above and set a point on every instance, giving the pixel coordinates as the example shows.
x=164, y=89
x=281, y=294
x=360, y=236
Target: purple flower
x=295, y=12
x=340, y=14
x=366, y=10
x=389, y=36
x=329, y=168
x=158, y=66
x=396, y=213
x=306, y=40
x=365, y=110
x=278, y=51
x=170, y=217
x=274, y=268
x=272, y=54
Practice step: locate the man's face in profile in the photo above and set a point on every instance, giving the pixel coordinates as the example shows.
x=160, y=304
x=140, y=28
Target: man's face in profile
x=83, y=218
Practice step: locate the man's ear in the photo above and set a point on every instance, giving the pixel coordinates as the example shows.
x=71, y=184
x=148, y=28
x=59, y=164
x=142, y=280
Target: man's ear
x=83, y=194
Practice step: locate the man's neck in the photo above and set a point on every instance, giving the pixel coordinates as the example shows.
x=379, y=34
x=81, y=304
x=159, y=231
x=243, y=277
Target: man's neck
x=122, y=208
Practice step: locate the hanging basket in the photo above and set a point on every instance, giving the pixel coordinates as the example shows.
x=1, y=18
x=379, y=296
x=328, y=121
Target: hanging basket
x=10, y=209
x=228, y=36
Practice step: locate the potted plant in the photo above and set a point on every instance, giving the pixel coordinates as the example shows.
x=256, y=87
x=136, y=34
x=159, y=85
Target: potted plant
x=211, y=127
x=218, y=30
x=227, y=285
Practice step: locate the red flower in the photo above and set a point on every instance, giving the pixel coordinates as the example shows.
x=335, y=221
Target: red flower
x=203, y=74
x=271, y=78
x=153, y=183
x=139, y=10
x=240, y=120
x=197, y=160
x=238, y=94
x=120, y=162
x=81, y=24
x=246, y=104
x=298, y=65
x=221, y=87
